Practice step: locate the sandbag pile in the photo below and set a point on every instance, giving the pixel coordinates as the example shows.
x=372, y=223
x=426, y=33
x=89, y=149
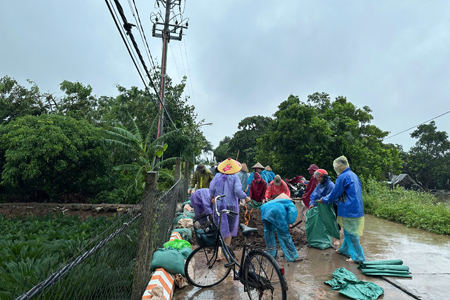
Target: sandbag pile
x=392, y=267
x=169, y=261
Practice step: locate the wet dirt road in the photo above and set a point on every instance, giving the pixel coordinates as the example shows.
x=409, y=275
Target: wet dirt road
x=427, y=255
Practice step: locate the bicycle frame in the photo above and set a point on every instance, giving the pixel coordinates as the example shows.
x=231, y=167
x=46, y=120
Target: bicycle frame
x=232, y=263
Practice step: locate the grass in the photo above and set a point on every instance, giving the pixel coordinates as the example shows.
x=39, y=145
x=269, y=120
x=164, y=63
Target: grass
x=414, y=209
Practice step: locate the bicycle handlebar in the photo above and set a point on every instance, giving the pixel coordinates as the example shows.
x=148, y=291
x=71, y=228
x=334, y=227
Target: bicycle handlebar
x=227, y=211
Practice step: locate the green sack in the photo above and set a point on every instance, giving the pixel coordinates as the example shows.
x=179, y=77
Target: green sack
x=186, y=233
x=385, y=267
x=184, y=215
x=328, y=217
x=186, y=202
x=349, y=285
x=169, y=259
x=186, y=252
x=177, y=244
x=382, y=262
x=254, y=204
x=316, y=233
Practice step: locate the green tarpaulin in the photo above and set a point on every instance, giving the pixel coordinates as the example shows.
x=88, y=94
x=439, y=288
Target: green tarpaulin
x=349, y=285
x=393, y=267
x=320, y=226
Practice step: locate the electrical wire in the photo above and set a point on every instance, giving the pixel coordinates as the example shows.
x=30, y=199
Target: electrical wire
x=141, y=32
x=189, y=72
x=174, y=60
x=128, y=27
x=417, y=125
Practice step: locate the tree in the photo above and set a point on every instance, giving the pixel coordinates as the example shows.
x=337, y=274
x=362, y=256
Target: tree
x=18, y=101
x=142, y=149
x=320, y=130
x=221, y=152
x=245, y=139
x=50, y=155
x=429, y=159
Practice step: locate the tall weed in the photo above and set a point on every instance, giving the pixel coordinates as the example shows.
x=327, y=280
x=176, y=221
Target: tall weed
x=414, y=209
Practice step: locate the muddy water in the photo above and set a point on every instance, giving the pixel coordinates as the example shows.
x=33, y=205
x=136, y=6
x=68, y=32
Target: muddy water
x=427, y=255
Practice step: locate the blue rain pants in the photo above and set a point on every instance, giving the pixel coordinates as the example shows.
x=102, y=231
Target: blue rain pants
x=352, y=248
x=285, y=239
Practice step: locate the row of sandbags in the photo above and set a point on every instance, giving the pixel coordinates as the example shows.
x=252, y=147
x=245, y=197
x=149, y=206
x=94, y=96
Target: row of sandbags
x=172, y=256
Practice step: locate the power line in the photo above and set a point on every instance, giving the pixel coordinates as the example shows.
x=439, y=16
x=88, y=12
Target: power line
x=189, y=72
x=175, y=61
x=141, y=32
x=417, y=125
x=127, y=26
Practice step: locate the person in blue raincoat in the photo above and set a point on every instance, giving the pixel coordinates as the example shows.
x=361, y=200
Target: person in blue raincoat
x=227, y=183
x=324, y=187
x=268, y=174
x=277, y=215
x=347, y=192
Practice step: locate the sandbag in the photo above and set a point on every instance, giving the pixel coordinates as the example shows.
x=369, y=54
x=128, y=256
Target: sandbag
x=186, y=223
x=169, y=259
x=177, y=244
x=186, y=233
x=316, y=233
x=328, y=217
x=183, y=215
x=186, y=252
x=180, y=281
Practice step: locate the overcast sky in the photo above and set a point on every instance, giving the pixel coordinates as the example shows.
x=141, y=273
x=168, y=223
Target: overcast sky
x=243, y=58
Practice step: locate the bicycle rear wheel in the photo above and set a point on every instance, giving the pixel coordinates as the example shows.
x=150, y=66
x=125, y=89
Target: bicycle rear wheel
x=263, y=278
x=202, y=268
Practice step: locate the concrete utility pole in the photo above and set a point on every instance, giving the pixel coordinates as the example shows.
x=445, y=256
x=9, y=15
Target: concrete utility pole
x=167, y=32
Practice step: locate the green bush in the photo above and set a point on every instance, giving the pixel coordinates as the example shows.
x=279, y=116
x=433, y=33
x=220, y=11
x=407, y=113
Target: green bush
x=414, y=209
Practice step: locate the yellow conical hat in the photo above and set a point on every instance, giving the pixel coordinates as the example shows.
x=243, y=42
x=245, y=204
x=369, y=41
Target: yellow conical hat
x=229, y=166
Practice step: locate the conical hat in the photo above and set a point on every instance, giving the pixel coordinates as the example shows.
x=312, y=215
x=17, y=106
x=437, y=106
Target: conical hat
x=268, y=168
x=229, y=166
x=244, y=167
x=258, y=166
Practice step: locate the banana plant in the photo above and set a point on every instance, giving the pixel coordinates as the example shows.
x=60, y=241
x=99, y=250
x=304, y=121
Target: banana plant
x=143, y=149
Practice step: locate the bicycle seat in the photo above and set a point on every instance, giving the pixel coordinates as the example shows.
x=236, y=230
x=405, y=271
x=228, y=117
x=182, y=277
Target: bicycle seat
x=247, y=230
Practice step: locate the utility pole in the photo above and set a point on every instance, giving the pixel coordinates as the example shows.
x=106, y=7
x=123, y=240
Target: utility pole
x=166, y=31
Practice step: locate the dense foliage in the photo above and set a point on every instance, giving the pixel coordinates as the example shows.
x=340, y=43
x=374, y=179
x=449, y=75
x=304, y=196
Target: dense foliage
x=319, y=130
x=51, y=155
x=53, y=149
x=414, y=209
x=429, y=160
x=316, y=131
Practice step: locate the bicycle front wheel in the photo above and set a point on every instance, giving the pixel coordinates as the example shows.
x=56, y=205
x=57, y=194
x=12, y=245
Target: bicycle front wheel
x=263, y=278
x=202, y=268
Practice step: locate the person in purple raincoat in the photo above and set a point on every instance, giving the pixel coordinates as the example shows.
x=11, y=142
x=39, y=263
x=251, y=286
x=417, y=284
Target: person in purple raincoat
x=227, y=183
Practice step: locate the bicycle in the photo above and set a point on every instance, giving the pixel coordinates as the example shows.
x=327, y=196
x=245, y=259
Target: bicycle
x=259, y=272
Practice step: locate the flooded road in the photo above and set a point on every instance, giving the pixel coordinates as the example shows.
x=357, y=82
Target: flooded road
x=427, y=255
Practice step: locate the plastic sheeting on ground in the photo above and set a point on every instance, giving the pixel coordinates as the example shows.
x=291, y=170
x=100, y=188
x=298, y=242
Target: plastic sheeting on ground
x=393, y=267
x=349, y=285
x=320, y=225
